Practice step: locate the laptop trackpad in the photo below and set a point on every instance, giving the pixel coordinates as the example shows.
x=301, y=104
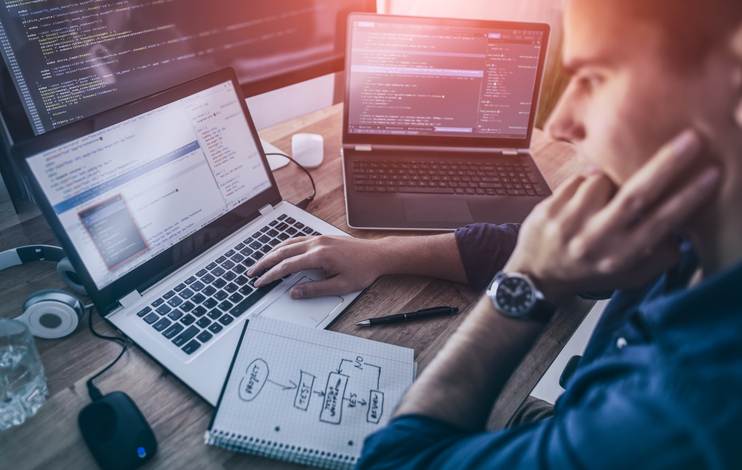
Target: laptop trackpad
x=436, y=210
x=306, y=312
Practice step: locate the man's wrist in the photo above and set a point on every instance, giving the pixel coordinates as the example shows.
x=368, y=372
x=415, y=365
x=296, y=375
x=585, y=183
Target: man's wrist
x=552, y=291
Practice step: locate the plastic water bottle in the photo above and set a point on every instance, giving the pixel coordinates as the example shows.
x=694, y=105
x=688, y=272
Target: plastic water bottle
x=22, y=381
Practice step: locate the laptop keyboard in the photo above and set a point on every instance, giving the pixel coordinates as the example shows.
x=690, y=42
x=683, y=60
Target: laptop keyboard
x=446, y=177
x=198, y=309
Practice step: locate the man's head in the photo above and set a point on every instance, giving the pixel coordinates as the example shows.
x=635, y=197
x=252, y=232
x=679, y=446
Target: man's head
x=644, y=70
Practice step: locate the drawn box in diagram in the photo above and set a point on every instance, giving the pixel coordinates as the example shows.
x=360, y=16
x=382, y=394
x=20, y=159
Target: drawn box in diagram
x=375, y=406
x=332, y=407
x=304, y=391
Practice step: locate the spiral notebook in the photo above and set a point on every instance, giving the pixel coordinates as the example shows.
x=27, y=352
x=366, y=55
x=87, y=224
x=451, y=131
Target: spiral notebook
x=307, y=396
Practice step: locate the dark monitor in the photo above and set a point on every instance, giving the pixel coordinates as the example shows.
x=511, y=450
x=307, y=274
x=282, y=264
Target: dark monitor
x=68, y=59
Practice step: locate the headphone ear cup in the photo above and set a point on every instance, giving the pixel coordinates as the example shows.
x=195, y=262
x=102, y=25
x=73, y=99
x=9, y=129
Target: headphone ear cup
x=70, y=277
x=52, y=313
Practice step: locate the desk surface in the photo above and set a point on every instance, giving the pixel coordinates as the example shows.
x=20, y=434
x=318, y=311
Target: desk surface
x=51, y=438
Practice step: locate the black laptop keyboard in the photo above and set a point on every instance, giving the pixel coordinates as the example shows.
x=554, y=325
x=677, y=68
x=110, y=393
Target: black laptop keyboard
x=442, y=177
x=199, y=308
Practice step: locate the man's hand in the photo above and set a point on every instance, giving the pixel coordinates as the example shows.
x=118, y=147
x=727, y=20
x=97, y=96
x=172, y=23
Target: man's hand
x=350, y=264
x=592, y=236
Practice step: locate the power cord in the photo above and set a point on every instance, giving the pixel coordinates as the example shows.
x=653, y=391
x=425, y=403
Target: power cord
x=304, y=203
x=93, y=391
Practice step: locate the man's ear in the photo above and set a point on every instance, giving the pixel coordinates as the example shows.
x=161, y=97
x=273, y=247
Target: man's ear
x=737, y=50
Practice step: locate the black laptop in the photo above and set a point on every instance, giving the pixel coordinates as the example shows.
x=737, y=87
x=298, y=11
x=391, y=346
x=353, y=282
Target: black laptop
x=438, y=120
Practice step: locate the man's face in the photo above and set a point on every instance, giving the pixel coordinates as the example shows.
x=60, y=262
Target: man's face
x=624, y=100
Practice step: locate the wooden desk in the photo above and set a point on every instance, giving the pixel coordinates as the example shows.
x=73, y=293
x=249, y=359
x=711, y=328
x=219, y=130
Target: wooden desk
x=51, y=438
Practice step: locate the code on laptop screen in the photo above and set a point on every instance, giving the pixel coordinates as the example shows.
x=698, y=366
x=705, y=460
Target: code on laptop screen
x=414, y=79
x=126, y=193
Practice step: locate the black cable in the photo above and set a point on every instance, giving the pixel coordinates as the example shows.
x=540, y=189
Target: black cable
x=304, y=203
x=93, y=391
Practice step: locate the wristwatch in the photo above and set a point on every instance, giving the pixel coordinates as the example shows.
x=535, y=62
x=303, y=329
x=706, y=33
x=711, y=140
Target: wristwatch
x=515, y=296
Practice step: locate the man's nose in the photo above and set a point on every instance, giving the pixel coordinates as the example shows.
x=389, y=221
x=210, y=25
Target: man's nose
x=564, y=124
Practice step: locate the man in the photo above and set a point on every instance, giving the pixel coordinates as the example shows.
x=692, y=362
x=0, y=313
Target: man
x=659, y=384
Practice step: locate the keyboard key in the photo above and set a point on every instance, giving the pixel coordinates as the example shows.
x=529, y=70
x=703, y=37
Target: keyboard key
x=187, y=307
x=226, y=305
x=299, y=225
x=210, y=303
x=198, y=311
x=235, y=298
x=190, y=280
x=248, y=262
x=191, y=347
x=209, y=290
x=237, y=258
x=290, y=220
x=241, y=280
x=173, y=330
x=239, y=247
x=208, y=279
x=186, y=336
x=239, y=269
x=291, y=231
x=229, y=276
x=175, y=314
x=204, y=336
x=246, y=290
x=228, y=264
x=163, y=309
x=226, y=319
x=221, y=259
x=180, y=287
x=215, y=328
x=169, y=295
x=221, y=295
x=247, y=251
x=144, y=311
x=273, y=223
x=214, y=314
x=283, y=237
x=219, y=283
x=162, y=324
x=151, y=318
x=273, y=243
x=229, y=253
x=264, y=229
x=175, y=301
x=197, y=286
x=282, y=216
x=272, y=233
x=257, y=255
x=282, y=226
x=264, y=239
x=218, y=271
x=211, y=266
x=231, y=287
x=252, y=299
x=201, y=273
x=188, y=319
x=255, y=245
x=158, y=302
x=198, y=298
x=187, y=294
x=203, y=322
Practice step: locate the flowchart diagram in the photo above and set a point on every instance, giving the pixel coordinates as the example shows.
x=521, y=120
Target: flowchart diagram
x=354, y=386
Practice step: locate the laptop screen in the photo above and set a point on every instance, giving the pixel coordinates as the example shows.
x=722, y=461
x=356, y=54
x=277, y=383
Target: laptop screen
x=128, y=192
x=442, y=78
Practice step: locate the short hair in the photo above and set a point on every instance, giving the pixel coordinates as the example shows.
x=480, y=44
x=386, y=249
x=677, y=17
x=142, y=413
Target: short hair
x=690, y=28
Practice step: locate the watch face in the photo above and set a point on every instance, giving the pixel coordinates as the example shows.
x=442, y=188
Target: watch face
x=515, y=296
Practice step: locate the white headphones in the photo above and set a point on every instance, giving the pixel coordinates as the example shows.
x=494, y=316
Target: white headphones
x=50, y=313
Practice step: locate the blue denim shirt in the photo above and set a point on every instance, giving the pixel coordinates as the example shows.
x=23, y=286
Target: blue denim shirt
x=659, y=387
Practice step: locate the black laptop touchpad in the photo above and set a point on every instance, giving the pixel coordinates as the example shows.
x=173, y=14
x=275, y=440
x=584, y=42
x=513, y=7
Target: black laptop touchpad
x=437, y=210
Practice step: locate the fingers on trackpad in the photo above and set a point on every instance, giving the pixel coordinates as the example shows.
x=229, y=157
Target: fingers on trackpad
x=306, y=312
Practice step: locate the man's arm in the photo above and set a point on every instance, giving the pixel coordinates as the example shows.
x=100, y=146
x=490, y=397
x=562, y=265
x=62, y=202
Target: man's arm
x=460, y=386
x=352, y=264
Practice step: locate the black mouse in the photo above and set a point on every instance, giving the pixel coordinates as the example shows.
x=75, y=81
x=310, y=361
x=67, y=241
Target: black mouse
x=116, y=432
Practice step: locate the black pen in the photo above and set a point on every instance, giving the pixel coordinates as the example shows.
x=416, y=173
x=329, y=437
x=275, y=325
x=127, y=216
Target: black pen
x=403, y=317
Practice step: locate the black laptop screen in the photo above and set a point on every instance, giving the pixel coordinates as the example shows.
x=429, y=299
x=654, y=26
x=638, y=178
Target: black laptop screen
x=442, y=79
x=128, y=192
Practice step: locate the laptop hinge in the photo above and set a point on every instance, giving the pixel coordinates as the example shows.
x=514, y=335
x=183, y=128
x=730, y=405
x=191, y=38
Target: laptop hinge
x=266, y=210
x=363, y=148
x=130, y=299
x=510, y=151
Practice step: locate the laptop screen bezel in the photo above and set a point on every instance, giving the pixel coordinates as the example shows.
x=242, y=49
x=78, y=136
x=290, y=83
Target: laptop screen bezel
x=448, y=141
x=162, y=265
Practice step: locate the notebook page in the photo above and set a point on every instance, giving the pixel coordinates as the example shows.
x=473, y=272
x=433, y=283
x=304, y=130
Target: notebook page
x=315, y=389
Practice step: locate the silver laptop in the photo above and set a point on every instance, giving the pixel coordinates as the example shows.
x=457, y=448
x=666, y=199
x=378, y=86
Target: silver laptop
x=438, y=120
x=162, y=205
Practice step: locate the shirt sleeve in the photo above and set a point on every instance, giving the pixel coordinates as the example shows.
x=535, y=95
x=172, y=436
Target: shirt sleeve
x=484, y=249
x=616, y=428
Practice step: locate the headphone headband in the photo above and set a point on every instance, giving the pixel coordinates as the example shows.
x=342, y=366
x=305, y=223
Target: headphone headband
x=27, y=254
